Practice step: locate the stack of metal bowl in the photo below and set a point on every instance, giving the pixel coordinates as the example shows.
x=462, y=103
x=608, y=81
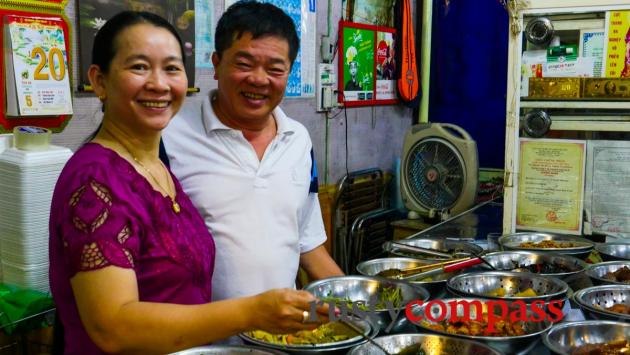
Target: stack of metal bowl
x=507, y=344
x=519, y=261
x=424, y=343
x=581, y=249
x=228, y=350
x=482, y=284
x=594, y=300
x=566, y=338
x=368, y=329
x=366, y=289
x=614, y=251
x=441, y=245
x=597, y=272
x=435, y=286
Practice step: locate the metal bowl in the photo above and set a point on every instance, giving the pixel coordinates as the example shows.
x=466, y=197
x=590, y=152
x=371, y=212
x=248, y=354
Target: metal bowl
x=582, y=250
x=229, y=350
x=443, y=245
x=370, y=330
x=430, y=343
x=367, y=289
x=565, y=338
x=507, y=344
x=593, y=300
x=374, y=266
x=510, y=260
x=479, y=284
x=614, y=251
x=597, y=271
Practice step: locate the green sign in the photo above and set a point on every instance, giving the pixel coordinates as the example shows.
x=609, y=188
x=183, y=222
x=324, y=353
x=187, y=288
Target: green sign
x=358, y=59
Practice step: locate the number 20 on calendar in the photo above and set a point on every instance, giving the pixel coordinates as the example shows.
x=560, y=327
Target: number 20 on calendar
x=58, y=72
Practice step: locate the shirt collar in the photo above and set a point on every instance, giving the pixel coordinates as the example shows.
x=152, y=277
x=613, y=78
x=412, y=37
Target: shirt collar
x=212, y=123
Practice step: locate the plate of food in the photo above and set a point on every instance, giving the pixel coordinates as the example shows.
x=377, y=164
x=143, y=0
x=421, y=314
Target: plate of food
x=547, y=243
x=329, y=336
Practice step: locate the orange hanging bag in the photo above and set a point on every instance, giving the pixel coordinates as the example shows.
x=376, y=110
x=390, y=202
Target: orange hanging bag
x=408, y=80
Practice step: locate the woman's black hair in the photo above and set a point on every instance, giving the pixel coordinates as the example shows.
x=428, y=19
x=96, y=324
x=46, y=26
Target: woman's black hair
x=105, y=46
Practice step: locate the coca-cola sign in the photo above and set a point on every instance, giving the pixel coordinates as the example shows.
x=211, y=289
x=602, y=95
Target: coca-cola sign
x=382, y=51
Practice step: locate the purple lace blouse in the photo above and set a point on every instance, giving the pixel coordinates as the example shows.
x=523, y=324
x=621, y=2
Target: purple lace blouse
x=104, y=213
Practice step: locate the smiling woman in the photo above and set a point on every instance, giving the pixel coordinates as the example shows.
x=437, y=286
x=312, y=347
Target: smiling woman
x=145, y=85
x=131, y=260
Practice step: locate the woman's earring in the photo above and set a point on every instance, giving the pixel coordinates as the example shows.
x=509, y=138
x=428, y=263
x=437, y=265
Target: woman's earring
x=102, y=97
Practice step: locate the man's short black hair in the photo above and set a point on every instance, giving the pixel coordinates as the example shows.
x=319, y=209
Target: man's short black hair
x=259, y=19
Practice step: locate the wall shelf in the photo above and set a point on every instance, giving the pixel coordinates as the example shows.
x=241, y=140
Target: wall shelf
x=569, y=17
x=606, y=105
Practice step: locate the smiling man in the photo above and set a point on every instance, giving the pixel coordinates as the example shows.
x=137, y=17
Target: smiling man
x=247, y=166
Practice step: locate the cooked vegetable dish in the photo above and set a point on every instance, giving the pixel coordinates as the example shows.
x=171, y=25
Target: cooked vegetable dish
x=621, y=275
x=617, y=347
x=326, y=333
x=503, y=328
x=548, y=244
x=386, y=294
x=500, y=292
x=619, y=308
x=415, y=349
x=542, y=268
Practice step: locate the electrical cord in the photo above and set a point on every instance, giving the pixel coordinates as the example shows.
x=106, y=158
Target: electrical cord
x=345, y=114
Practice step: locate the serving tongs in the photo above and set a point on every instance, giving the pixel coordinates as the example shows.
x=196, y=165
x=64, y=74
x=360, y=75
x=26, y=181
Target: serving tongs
x=420, y=250
x=397, y=273
x=443, y=269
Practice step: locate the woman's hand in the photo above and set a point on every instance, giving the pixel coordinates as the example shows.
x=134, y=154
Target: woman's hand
x=281, y=311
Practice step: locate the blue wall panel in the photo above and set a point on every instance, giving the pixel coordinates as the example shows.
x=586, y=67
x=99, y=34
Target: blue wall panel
x=469, y=72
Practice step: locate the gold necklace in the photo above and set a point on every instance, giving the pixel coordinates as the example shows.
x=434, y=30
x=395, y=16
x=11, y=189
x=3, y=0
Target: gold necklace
x=174, y=204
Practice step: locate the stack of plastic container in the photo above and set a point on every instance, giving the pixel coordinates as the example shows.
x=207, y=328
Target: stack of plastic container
x=27, y=181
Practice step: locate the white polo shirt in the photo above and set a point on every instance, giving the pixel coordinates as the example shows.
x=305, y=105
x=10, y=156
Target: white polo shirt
x=260, y=213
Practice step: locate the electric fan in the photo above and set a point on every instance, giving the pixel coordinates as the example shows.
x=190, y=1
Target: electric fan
x=439, y=170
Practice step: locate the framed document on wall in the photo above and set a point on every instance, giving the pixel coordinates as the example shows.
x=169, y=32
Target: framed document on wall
x=366, y=64
x=551, y=185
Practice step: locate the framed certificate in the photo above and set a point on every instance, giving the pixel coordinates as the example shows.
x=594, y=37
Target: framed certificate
x=550, y=191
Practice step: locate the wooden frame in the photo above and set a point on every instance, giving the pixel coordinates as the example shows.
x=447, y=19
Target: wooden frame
x=92, y=14
x=366, y=65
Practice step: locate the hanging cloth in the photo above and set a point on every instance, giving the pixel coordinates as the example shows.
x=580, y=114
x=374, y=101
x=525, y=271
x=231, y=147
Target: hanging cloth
x=408, y=80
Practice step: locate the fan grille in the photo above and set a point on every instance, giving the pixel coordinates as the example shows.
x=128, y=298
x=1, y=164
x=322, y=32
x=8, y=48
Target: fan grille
x=435, y=172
